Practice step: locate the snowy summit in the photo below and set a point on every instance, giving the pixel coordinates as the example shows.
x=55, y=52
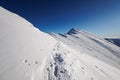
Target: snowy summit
x=27, y=53
x=73, y=31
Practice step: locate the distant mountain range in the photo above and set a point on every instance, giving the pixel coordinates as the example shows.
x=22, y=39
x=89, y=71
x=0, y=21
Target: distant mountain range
x=115, y=41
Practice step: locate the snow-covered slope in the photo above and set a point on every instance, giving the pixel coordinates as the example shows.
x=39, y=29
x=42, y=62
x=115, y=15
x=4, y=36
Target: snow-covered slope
x=23, y=48
x=29, y=54
x=96, y=48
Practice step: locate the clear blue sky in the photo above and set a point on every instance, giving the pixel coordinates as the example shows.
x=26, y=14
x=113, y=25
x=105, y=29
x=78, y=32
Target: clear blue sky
x=100, y=17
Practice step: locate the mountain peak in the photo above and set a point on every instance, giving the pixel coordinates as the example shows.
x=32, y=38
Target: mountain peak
x=73, y=31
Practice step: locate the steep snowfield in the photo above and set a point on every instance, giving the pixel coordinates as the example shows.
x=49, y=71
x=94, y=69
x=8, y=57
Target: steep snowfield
x=23, y=48
x=29, y=54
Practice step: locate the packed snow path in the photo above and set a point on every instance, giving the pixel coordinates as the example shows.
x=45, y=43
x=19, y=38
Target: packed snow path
x=68, y=64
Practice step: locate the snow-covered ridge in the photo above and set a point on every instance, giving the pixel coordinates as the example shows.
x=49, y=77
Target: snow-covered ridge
x=27, y=53
x=92, y=45
x=12, y=17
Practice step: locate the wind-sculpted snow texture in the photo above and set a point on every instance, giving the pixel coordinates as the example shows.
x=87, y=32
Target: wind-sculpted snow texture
x=26, y=53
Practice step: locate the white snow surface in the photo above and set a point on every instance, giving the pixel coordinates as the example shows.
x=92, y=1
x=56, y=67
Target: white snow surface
x=27, y=53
